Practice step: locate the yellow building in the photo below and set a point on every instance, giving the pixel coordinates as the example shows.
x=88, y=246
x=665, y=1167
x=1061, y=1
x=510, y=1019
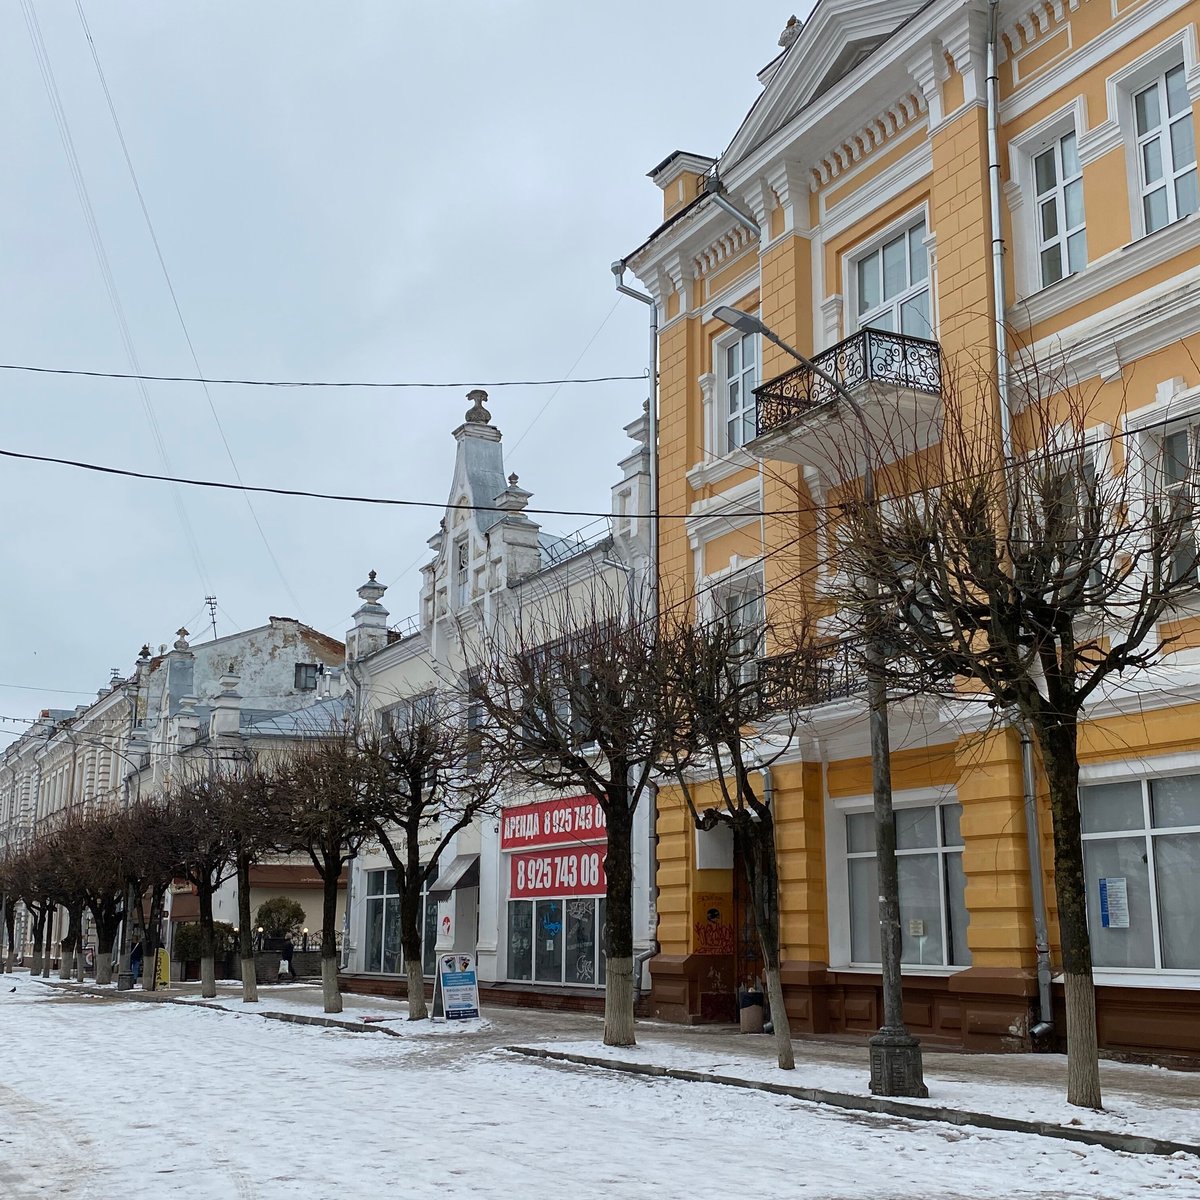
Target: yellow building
x=857, y=195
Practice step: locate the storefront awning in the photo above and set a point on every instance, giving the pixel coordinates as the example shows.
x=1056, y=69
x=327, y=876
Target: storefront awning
x=462, y=872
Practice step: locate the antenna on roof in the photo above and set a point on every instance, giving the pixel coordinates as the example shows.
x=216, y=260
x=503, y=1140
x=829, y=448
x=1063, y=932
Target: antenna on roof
x=211, y=601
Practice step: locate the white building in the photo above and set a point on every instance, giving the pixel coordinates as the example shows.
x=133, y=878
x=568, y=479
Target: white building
x=491, y=566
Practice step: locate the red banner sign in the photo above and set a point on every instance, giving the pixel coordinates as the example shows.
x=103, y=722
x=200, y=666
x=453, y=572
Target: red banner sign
x=577, y=871
x=552, y=823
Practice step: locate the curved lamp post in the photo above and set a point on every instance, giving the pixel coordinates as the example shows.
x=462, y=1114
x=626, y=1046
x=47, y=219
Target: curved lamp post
x=895, y=1054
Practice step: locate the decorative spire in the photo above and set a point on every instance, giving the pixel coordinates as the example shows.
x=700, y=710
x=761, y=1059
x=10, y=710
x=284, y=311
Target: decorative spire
x=791, y=31
x=477, y=414
x=372, y=591
x=181, y=642
x=513, y=480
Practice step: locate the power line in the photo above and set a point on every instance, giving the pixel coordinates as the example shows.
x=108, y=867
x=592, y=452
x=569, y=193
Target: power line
x=187, y=337
x=352, y=499
x=323, y=383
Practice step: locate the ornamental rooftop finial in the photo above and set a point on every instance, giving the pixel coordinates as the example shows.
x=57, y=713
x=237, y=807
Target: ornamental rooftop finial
x=477, y=414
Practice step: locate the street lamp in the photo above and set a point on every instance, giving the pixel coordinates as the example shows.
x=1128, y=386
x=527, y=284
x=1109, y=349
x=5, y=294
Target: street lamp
x=305, y=943
x=260, y=938
x=895, y=1054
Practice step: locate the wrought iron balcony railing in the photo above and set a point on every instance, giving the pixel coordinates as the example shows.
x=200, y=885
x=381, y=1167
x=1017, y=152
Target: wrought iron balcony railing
x=801, y=680
x=869, y=356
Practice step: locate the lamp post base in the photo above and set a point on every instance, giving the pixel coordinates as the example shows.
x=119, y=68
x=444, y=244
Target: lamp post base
x=125, y=984
x=896, y=1064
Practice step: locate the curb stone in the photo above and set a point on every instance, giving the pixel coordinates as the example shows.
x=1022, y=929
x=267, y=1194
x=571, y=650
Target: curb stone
x=1129, y=1143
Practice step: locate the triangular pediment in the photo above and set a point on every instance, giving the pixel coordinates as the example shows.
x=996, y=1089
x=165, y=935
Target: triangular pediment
x=838, y=37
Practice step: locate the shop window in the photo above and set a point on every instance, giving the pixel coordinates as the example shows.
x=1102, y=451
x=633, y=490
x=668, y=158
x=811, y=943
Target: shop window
x=382, y=952
x=1141, y=850
x=933, y=912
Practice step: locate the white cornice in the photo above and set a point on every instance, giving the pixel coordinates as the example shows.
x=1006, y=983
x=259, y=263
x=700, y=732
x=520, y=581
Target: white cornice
x=722, y=514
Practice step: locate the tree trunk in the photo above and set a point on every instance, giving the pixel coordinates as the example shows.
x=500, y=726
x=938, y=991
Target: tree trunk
x=245, y=938
x=329, y=961
x=39, y=938
x=48, y=956
x=756, y=842
x=410, y=941
x=1058, y=740
x=10, y=925
x=208, y=943
x=618, y=926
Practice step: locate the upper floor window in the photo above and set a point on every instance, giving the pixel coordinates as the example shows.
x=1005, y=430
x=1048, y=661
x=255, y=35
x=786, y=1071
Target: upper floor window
x=1166, y=150
x=306, y=677
x=893, y=285
x=741, y=605
x=1177, y=474
x=738, y=365
x=1062, y=242
x=462, y=572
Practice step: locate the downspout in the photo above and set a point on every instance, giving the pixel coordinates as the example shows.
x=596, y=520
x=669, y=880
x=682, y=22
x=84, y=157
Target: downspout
x=1037, y=882
x=618, y=270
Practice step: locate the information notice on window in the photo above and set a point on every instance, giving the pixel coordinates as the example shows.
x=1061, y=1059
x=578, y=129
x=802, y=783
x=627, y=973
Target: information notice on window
x=1114, y=902
x=460, y=986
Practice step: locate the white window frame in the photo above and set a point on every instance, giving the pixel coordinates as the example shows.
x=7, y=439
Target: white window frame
x=903, y=227
x=598, y=901
x=1068, y=172
x=1149, y=832
x=747, y=380
x=837, y=859
x=1171, y=172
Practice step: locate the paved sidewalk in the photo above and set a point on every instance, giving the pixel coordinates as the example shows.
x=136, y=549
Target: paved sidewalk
x=1024, y=1091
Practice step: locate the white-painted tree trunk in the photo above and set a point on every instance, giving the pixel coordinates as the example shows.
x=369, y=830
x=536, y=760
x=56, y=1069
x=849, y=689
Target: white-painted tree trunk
x=618, y=1002
x=208, y=976
x=330, y=993
x=417, y=1009
x=104, y=967
x=249, y=981
x=779, y=1019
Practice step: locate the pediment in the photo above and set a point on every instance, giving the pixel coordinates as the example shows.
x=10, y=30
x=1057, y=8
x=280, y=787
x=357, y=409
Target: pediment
x=838, y=37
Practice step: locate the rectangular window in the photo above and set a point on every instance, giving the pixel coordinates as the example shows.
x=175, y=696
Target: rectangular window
x=1179, y=455
x=1058, y=181
x=893, y=285
x=742, y=607
x=306, y=677
x=739, y=377
x=1141, y=853
x=933, y=911
x=520, y=939
x=382, y=951
x=462, y=572
x=1166, y=150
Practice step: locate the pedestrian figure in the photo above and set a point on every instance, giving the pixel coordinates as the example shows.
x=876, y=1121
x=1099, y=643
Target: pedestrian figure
x=135, y=959
x=286, y=961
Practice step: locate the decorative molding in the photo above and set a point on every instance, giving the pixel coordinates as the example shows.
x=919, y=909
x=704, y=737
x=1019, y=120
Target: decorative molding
x=722, y=514
x=716, y=470
x=885, y=127
x=728, y=245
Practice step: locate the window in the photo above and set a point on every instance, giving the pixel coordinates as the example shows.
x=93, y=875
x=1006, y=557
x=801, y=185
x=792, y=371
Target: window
x=1141, y=853
x=1166, y=150
x=739, y=377
x=462, y=572
x=1058, y=180
x=893, y=285
x=742, y=606
x=1177, y=476
x=382, y=952
x=933, y=911
x=473, y=683
x=306, y=676
x=557, y=941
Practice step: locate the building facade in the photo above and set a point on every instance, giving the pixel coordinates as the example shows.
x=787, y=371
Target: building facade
x=853, y=213
x=185, y=704
x=493, y=568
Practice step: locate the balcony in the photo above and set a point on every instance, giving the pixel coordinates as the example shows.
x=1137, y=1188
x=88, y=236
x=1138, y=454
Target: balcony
x=896, y=379
x=803, y=679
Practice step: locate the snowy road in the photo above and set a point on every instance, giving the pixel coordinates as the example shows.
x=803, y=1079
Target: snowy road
x=109, y=1100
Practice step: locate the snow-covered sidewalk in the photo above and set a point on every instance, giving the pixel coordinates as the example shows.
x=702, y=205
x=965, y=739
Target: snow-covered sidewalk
x=100, y=1098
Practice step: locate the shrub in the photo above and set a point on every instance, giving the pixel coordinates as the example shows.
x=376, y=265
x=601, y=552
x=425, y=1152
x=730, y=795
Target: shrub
x=281, y=916
x=186, y=945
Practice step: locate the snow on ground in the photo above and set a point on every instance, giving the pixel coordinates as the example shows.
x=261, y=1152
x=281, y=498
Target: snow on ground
x=1124, y=1112
x=101, y=1098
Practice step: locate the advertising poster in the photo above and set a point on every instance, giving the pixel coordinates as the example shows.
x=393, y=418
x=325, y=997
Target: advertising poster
x=460, y=986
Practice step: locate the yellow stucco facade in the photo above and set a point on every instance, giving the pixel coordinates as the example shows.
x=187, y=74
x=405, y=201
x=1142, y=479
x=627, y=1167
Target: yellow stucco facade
x=862, y=184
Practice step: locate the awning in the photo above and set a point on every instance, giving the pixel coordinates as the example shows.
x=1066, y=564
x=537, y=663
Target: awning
x=462, y=872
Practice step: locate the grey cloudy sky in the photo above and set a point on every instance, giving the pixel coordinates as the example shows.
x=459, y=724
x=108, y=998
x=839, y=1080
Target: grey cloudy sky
x=371, y=189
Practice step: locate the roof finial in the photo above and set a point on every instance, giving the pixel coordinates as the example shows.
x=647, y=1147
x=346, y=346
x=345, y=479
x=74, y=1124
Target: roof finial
x=791, y=31
x=477, y=414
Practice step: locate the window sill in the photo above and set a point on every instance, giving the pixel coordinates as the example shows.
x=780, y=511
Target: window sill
x=907, y=970
x=1144, y=978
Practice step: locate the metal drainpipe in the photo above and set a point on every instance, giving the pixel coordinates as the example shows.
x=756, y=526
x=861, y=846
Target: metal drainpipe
x=1037, y=882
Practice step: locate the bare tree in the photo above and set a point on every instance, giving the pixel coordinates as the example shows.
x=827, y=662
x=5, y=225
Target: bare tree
x=730, y=718
x=575, y=695
x=327, y=789
x=430, y=779
x=152, y=844
x=1029, y=585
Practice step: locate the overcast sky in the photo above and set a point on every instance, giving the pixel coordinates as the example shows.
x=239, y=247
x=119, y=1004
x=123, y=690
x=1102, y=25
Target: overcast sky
x=372, y=189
